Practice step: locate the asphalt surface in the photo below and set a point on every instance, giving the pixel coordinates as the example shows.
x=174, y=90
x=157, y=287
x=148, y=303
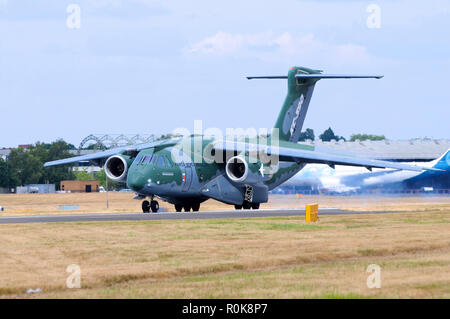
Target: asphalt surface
x=174, y=216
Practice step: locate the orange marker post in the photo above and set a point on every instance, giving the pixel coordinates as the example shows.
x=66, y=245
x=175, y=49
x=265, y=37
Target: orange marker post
x=312, y=213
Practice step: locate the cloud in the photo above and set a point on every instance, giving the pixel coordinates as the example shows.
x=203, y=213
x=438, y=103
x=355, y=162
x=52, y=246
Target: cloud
x=268, y=46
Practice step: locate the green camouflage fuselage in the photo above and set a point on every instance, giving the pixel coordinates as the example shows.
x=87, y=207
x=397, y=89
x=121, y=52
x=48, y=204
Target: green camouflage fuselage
x=192, y=177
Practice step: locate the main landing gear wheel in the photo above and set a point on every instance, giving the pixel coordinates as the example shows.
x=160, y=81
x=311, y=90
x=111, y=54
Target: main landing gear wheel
x=195, y=207
x=246, y=205
x=154, y=205
x=146, y=206
x=178, y=207
x=187, y=207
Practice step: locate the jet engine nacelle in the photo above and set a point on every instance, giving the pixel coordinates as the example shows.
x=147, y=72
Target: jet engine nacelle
x=116, y=167
x=239, y=171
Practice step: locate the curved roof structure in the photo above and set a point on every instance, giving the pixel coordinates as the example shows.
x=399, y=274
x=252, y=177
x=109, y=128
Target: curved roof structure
x=414, y=150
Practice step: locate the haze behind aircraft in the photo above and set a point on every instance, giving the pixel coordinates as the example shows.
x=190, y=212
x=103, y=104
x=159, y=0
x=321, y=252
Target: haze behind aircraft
x=354, y=179
x=235, y=172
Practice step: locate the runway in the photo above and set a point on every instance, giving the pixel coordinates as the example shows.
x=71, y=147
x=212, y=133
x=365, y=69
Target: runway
x=176, y=216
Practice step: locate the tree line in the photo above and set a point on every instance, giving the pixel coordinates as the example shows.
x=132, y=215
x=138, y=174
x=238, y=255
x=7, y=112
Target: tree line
x=329, y=135
x=26, y=165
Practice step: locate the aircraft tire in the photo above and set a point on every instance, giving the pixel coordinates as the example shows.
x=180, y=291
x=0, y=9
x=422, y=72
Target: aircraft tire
x=146, y=206
x=195, y=207
x=178, y=207
x=154, y=205
x=255, y=205
x=187, y=208
x=237, y=207
x=246, y=205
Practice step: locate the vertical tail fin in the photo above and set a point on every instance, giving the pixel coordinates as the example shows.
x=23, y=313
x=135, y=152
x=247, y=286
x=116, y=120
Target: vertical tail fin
x=442, y=162
x=301, y=82
x=293, y=113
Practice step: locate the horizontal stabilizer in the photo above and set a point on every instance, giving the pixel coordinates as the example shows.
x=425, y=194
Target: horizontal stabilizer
x=317, y=76
x=336, y=76
x=267, y=77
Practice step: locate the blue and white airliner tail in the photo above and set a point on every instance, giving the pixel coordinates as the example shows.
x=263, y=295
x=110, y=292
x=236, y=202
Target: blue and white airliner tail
x=348, y=179
x=442, y=162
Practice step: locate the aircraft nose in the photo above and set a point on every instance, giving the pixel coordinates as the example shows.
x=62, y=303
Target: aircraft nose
x=135, y=181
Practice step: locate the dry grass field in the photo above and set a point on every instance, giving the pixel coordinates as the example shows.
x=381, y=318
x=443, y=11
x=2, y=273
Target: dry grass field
x=39, y=204
x=277, y=257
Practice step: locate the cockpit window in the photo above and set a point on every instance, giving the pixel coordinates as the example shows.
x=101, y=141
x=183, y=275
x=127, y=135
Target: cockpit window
x=147, y=159
x=168, y=162
x=138, y=159
x=161, y=162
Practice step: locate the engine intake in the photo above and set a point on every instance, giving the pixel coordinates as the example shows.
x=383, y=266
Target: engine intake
x=116, y=168
x=237, y=169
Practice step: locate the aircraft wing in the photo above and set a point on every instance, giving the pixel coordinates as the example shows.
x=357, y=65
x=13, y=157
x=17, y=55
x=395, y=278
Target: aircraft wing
x=105, y=154
x=288, y=154
x=298, y=154
x=87, y=157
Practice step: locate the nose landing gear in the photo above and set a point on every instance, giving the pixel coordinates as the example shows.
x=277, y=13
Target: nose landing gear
x=153, y=205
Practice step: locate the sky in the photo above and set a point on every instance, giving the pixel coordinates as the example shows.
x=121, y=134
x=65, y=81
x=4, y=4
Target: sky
x=150, y=66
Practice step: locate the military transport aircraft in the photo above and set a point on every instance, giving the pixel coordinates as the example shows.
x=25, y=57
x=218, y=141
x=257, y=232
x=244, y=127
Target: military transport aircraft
x=189, y=170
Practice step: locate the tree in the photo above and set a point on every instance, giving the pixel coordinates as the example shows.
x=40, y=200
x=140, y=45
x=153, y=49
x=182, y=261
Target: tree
x=55, y=174
x=364, y=137
x=101, y=177
x=83, y=176
x=329, y=135
x=4, y=174
x=308, y=134
x=25, y=168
